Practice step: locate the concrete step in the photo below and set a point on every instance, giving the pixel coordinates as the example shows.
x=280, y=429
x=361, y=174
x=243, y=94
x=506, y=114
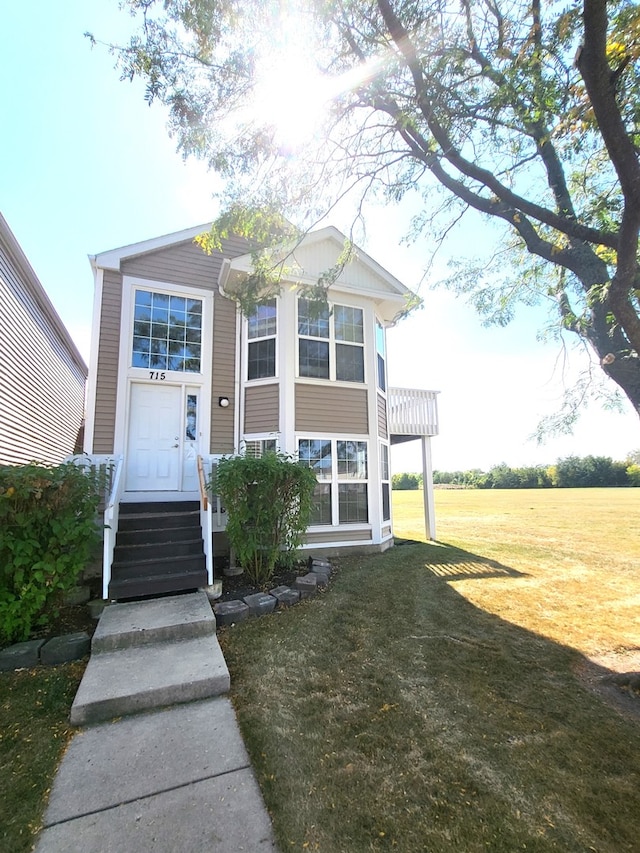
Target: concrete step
x=159, y=620
x=126, y=681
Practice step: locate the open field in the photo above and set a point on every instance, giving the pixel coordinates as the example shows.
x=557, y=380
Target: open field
x=438, y=698
x=577, y=552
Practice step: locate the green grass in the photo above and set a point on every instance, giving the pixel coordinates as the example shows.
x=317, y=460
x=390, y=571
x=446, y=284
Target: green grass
x=34, y=731
x=429, y=701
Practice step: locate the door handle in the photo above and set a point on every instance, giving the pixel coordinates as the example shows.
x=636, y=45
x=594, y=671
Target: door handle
x=176, y=445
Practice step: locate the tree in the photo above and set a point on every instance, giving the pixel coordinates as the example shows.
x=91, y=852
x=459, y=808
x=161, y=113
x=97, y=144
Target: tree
x=524, y=112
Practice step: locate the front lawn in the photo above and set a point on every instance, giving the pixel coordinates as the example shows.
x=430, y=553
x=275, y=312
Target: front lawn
x=414, y=707
x=34, y=731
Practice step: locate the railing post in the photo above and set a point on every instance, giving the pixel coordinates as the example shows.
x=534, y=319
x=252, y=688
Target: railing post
x=427, y=489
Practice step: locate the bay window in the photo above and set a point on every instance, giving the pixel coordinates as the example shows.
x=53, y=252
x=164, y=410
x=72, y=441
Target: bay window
x=341, y=467
x=330, y=342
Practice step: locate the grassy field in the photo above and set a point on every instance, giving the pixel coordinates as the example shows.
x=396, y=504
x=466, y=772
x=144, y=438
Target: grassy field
x=576, y=552
x=434, y=698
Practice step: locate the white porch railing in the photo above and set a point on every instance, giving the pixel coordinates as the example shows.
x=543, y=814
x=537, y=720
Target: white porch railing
x=412, y=412
x=213, y=516
x=110, y=468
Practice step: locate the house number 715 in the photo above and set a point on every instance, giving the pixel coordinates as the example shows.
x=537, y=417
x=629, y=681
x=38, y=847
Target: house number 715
x=156, y=374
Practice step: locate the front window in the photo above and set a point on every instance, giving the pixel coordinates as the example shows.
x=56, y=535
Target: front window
x=330, y=343
x=261, y=333
x=167, y=332
x=341, y=496
x=384, y=478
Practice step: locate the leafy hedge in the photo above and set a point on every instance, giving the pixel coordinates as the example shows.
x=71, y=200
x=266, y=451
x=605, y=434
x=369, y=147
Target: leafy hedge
x=268, y=501
x=47, y=534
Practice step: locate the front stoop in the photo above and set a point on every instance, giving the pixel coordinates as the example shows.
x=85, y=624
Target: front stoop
x=149, y=654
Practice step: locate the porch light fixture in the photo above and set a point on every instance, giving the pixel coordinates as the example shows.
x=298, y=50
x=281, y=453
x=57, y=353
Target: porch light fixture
x=223, y=402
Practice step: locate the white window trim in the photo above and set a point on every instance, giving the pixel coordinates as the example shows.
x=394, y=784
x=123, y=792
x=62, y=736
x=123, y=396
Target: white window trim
x=262, y=380
x=332, y=341
x=128, y=374
x=336, y=480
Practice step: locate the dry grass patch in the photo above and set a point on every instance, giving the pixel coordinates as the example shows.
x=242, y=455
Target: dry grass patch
x=394, y=712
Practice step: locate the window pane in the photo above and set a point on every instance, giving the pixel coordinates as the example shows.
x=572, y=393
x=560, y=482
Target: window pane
x=191, y=427
x=316, y=453
x=382, y=380
x=262, y=323
x=349, y=363
x=321, y=504
x=380, y=339
x=314, y=358
x=262, y=359
x=313, y=319
x=352, y=459
x=160, y=328
x=352, y=503
x=386, y=504
x=384, y=462
x=348, y=324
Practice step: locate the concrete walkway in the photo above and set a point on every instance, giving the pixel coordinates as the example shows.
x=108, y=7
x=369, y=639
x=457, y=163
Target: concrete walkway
x=173, y=779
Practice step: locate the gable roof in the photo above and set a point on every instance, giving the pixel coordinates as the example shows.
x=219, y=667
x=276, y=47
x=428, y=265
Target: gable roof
x=31, y=283
x=317, y=252
x=111, y=259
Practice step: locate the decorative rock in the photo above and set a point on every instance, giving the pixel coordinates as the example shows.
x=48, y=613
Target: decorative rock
x=307, y=585
x=96, y=606
x=76, y=595
x=321, y=577
x=65, y=648
x=260, y=603
x=21, y=655
x=229, y=612
x=285, y=596
x=317, y=564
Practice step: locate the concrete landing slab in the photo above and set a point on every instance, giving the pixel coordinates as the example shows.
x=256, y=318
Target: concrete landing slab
x=223, y=814
x=135, y=757
x=136, y=679
x=155, y=621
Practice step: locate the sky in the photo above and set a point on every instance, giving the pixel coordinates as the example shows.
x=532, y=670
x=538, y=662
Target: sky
x=86, y=166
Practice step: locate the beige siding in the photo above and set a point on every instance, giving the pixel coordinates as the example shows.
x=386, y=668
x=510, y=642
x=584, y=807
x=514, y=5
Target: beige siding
x=318, y=538
x=41, y=379
x=331, y=409
x=223, y=377
x=261, y=409
x=184, y=263
x=382, y=417
x=107, y=369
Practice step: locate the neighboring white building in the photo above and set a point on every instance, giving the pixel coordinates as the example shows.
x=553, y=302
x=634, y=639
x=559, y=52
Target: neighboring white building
x=42, y=375
x=178, y=373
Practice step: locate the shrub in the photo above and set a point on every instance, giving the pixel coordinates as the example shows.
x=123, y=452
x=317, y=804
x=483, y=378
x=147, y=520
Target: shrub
x=405, y=481
x=48, y=524
x=268, y=501
x=633, y=475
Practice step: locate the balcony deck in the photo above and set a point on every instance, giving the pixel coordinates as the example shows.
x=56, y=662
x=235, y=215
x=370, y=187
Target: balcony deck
x=412, y=412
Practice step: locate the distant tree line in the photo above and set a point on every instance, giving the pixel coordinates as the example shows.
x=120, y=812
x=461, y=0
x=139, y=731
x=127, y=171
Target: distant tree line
x=571, y=472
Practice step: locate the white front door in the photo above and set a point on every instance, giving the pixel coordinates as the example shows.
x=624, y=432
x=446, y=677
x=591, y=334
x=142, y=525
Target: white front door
x=155, y=438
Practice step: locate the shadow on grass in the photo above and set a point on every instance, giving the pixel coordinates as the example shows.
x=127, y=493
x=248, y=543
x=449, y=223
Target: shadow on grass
x=459, y=730
x=451, y=563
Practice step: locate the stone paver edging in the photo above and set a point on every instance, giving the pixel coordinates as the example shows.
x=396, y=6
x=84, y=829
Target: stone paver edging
x=260, y=603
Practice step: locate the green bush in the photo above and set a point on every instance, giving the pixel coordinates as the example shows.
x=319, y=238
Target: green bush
x=48, y=532
x=633, y=475
x=268, y=501
x=404, y=482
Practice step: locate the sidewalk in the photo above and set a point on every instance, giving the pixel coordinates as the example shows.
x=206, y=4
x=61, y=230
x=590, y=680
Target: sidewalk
x=174, y=780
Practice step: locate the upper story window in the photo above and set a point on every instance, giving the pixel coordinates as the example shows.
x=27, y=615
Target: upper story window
x=330, y=343
x=262, y=327
x=167, y=332
x=381, y=356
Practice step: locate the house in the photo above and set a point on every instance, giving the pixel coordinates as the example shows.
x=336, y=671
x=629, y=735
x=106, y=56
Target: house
x=180, y=377
x=42, y=375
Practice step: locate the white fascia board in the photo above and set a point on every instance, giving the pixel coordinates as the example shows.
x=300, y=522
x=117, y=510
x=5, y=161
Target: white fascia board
x=244, y=263
x=112, y=259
